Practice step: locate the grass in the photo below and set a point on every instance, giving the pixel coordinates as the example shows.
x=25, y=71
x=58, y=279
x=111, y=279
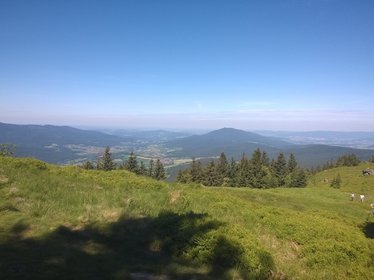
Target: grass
x=70, y=223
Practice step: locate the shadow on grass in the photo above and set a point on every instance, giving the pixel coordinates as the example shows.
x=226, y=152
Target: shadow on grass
x=368, y=229
x=152, y=246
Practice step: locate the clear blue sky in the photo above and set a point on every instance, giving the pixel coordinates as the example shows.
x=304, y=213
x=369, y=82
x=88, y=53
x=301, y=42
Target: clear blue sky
x=281, y=64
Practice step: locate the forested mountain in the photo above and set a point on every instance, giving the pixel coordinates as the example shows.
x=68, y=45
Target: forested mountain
x=45, y=135
x=54, y=143
x=229, y=140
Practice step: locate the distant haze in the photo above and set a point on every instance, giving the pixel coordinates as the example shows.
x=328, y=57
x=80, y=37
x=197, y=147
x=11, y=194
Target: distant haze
x=254, y=65
x=274, y=120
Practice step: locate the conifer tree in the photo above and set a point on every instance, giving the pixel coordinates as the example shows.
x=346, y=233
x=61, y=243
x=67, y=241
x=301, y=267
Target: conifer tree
x=298, y=178
x=336, y=182
x=348, y=160
x=196, y=171
x=291, y=164
x=87, y=165
x=105, y=162
x=257, y=172
x=7, y=150
x=151, y=168
x=159, y=173
x=184, y=176
x=232, y=172
x=210, y=175
x=132, y=163
x=180, y=177
x=265, y=159
x=279, y=169
x=222, y=166
x=243, y=172
x=142, y=169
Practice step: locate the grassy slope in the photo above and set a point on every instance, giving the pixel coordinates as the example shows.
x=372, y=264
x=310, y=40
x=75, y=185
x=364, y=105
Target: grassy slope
x=65, y=222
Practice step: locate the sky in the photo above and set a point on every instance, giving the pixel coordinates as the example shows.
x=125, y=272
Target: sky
x=188, y=64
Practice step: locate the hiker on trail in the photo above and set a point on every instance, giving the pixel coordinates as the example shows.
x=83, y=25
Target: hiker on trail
x=352, y=196
x=362, y=197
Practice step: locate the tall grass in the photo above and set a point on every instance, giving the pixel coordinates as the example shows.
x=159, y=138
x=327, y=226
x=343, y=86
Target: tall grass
x=66, y=222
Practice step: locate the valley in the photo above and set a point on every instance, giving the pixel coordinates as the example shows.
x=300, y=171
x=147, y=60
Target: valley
x=66, y=145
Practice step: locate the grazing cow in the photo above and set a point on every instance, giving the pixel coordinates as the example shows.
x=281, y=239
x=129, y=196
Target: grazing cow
x=362, y=197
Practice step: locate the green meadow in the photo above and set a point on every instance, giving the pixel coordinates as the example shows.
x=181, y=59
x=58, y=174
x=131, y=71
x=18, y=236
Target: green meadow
x=69, y=223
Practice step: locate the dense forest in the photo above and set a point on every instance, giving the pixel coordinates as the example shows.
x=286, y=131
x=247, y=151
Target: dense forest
x=255, y=172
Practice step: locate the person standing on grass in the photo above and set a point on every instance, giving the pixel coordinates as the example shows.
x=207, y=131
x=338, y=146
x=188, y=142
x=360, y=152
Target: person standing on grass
x=352, y=196
x=362, y=197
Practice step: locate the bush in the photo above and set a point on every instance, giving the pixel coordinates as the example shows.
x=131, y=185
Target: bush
x=336, y=182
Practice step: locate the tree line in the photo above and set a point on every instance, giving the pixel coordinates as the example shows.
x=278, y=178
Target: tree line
x=155, y=169
x=255, y=172
x=345, y=160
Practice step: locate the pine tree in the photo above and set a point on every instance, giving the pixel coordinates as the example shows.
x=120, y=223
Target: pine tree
x=336, y=182
x=348, y=160
x=256, y=170
x=159, y=173
x=142, y=169
x=210, y=175
x=87, y=165
x=298, y=178
x=105, y=162
x=291, y=164
x=232, y=172
x=132, y=163
x=222, y=168
x=151, y=167
x=265, y=159
x=7, y=150
x=184, y=176
x=180, y=177
x=279, y=169
x=243, y=172
x=196, y=171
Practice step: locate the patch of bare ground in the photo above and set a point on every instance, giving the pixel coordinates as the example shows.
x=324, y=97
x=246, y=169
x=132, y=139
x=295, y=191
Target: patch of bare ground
x=174, y=195
x=284, y=251
x=111, y=215
x=3, y=180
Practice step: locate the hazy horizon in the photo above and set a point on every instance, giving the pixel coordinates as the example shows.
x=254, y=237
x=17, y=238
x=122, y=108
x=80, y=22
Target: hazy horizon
x=190, y=130
x=203, y=65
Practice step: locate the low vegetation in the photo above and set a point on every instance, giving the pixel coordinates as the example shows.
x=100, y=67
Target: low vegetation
x=72, y=223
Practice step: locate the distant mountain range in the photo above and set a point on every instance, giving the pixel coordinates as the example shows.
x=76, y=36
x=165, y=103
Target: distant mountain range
x=63, y=144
